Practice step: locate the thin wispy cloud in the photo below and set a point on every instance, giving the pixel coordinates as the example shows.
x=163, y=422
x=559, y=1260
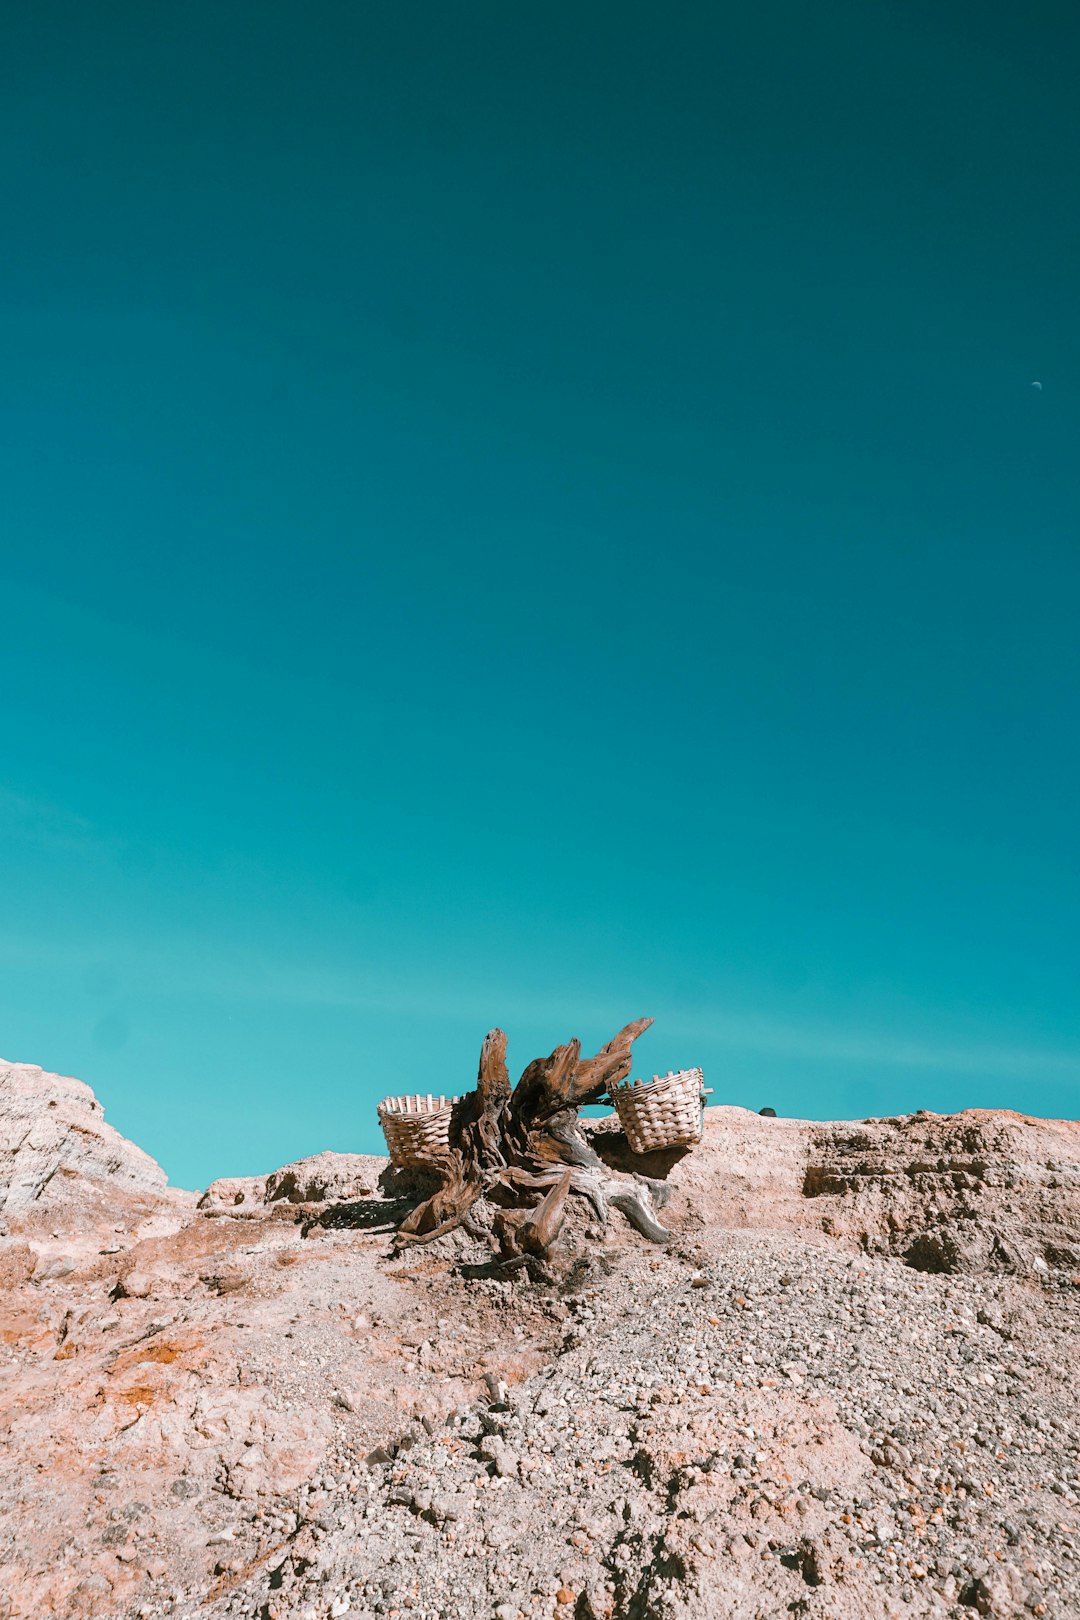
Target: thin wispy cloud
x=26, y=819
x=865, y=1047
x=763, y=1033
x=182, y=968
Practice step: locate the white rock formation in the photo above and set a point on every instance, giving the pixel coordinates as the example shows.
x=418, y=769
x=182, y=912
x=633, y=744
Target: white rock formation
x=51, y=1125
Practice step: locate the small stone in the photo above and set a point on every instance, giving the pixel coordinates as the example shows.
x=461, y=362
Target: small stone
x=136, y=1285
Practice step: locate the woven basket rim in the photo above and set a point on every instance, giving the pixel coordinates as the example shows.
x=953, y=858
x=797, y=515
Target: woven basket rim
x=660, y=1082
x=389, y=1109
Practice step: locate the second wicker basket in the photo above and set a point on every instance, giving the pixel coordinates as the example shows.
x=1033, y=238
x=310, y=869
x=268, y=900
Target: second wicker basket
x=666, y=1111
x=417, y=1128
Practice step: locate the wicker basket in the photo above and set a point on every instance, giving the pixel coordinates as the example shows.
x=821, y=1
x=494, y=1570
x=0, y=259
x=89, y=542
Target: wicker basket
x=666, y=1111
x=417, y=1129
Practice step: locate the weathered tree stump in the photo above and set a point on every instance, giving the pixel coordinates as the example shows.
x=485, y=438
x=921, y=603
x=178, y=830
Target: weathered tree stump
x=522, y=1152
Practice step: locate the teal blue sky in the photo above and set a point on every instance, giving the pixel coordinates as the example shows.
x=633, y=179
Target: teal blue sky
x=537, y=515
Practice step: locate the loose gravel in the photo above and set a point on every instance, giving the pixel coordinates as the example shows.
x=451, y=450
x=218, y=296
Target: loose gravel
x=753, y=1426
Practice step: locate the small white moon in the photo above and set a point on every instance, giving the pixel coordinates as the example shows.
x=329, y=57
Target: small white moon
x=1038, y=386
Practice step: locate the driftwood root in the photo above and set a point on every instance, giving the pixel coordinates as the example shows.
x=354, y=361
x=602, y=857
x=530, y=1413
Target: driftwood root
x=522, y=1151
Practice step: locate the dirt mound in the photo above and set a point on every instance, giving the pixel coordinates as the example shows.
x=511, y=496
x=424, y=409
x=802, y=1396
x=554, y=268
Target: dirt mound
x=843, y=1390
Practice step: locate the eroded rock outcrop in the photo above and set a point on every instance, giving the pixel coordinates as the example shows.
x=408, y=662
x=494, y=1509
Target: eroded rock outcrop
x=972, y=1192
x=843, y=1388
x=53, y=1133
x=321, y=1178
x=983, y=1190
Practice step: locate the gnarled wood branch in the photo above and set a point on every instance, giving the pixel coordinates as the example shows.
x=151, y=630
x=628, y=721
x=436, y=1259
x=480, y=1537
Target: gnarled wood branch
x=523, y=1151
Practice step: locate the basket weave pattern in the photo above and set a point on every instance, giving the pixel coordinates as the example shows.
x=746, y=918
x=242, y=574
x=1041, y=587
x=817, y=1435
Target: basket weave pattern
x=666, y=1111
x=417, y=1129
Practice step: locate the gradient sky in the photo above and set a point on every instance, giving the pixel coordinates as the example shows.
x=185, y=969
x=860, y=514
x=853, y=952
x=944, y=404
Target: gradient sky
x=537, y=515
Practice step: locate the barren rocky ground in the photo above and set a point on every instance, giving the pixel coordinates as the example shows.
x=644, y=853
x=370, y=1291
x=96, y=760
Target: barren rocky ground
x=845, y=1389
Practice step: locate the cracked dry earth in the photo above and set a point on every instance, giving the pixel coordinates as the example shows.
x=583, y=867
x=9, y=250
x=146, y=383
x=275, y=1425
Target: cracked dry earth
x=845, y=1389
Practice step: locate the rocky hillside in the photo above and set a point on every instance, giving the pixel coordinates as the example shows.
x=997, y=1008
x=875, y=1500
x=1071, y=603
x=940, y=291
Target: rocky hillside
x=845, y=1389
